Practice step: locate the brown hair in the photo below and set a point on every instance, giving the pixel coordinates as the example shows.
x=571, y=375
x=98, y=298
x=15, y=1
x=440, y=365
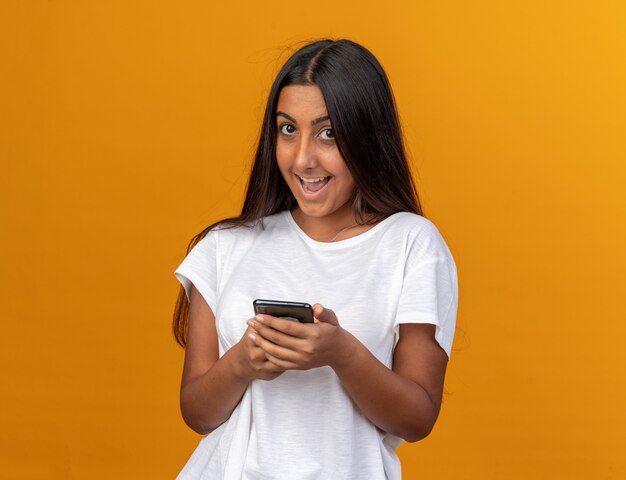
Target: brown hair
x=363, y=115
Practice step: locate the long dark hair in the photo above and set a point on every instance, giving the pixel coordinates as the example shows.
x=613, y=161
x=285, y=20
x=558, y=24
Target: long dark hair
x=364, y=119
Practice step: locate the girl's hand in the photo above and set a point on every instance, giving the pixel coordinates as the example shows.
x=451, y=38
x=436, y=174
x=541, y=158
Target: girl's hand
x=291, y=345
x=253, y=363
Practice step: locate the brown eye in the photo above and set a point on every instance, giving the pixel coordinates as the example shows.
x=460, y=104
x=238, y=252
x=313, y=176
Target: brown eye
x=328, y=134
x=287, y=129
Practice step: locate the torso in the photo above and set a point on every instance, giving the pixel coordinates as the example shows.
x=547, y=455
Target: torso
x=315, y=430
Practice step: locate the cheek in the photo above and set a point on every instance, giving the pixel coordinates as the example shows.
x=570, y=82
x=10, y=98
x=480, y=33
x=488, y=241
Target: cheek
x=345, y=189
x=347, y=180
x=282, y=157
x=350, y=188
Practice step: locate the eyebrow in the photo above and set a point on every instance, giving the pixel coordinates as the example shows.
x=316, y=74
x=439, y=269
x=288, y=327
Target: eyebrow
x=315, y=121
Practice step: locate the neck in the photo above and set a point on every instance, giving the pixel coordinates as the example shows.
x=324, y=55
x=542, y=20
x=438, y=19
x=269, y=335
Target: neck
x=339, y=225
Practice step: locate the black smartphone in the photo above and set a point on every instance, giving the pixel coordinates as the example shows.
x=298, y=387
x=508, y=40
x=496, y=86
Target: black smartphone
x=299, y=312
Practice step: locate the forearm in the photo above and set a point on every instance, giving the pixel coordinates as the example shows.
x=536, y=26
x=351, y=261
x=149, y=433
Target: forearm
x=395, y=404
x=208, y=400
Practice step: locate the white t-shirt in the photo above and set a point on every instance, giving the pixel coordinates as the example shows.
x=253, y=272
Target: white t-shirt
x=302, y=425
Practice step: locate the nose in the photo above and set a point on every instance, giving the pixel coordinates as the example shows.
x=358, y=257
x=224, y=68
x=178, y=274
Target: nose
x=306, y=157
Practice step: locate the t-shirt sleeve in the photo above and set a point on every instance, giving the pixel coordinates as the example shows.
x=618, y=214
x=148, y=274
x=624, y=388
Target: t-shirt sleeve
x=429, y=289
x=200, y=269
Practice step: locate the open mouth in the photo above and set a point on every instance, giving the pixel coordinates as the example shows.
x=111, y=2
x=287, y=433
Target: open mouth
x=313, y=185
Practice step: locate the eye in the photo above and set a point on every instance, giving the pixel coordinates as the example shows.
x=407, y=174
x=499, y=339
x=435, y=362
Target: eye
x=327, y=134
x=287, y=129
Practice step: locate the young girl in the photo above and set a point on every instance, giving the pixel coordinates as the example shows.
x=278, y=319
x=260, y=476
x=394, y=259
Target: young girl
x=331, y=217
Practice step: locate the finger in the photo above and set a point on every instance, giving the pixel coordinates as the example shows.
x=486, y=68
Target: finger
x=280, y=364
x=256, y=356
x=288, y=327
x=274, y=367
x=251, y=336
x=276, y=351
x=256, y=353
x=275, y=336
x=325, y=315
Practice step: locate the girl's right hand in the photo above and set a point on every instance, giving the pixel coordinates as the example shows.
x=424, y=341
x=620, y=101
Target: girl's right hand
x=252, y=362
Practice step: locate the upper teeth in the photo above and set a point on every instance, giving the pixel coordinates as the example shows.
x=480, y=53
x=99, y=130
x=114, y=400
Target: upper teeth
x=311, y=180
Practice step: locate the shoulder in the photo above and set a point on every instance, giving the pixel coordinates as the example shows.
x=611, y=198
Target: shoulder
x=408, y=220
x=411, y=225
x=421, y=238
x=227, y=233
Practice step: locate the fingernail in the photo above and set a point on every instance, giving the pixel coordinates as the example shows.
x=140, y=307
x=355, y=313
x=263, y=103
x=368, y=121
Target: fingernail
x=259, y=318
x=250, y=322
x=252, y=336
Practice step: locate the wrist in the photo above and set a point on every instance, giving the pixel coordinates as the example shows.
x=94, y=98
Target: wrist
x=238, y=367
x=347, y=349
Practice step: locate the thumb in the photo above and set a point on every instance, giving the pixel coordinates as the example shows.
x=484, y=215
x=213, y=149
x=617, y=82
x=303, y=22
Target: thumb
x=325, y=315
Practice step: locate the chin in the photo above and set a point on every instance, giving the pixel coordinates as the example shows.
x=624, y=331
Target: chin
x=323, y=211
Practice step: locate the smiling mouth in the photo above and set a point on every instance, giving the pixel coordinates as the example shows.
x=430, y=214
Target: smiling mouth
x=313, y=185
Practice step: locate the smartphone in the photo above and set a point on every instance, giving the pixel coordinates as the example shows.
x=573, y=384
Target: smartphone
x=296, y=311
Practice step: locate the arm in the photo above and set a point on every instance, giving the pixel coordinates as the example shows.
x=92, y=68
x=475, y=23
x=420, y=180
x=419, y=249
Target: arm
x=404, y=401
x=212, y=387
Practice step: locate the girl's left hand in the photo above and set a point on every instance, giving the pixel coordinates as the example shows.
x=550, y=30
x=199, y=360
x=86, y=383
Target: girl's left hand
x=301, y=346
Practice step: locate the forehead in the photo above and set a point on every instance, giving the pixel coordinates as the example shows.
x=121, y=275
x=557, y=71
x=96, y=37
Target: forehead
x=302, y=101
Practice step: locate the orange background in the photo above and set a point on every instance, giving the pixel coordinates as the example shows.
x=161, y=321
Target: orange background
x=126, y=127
